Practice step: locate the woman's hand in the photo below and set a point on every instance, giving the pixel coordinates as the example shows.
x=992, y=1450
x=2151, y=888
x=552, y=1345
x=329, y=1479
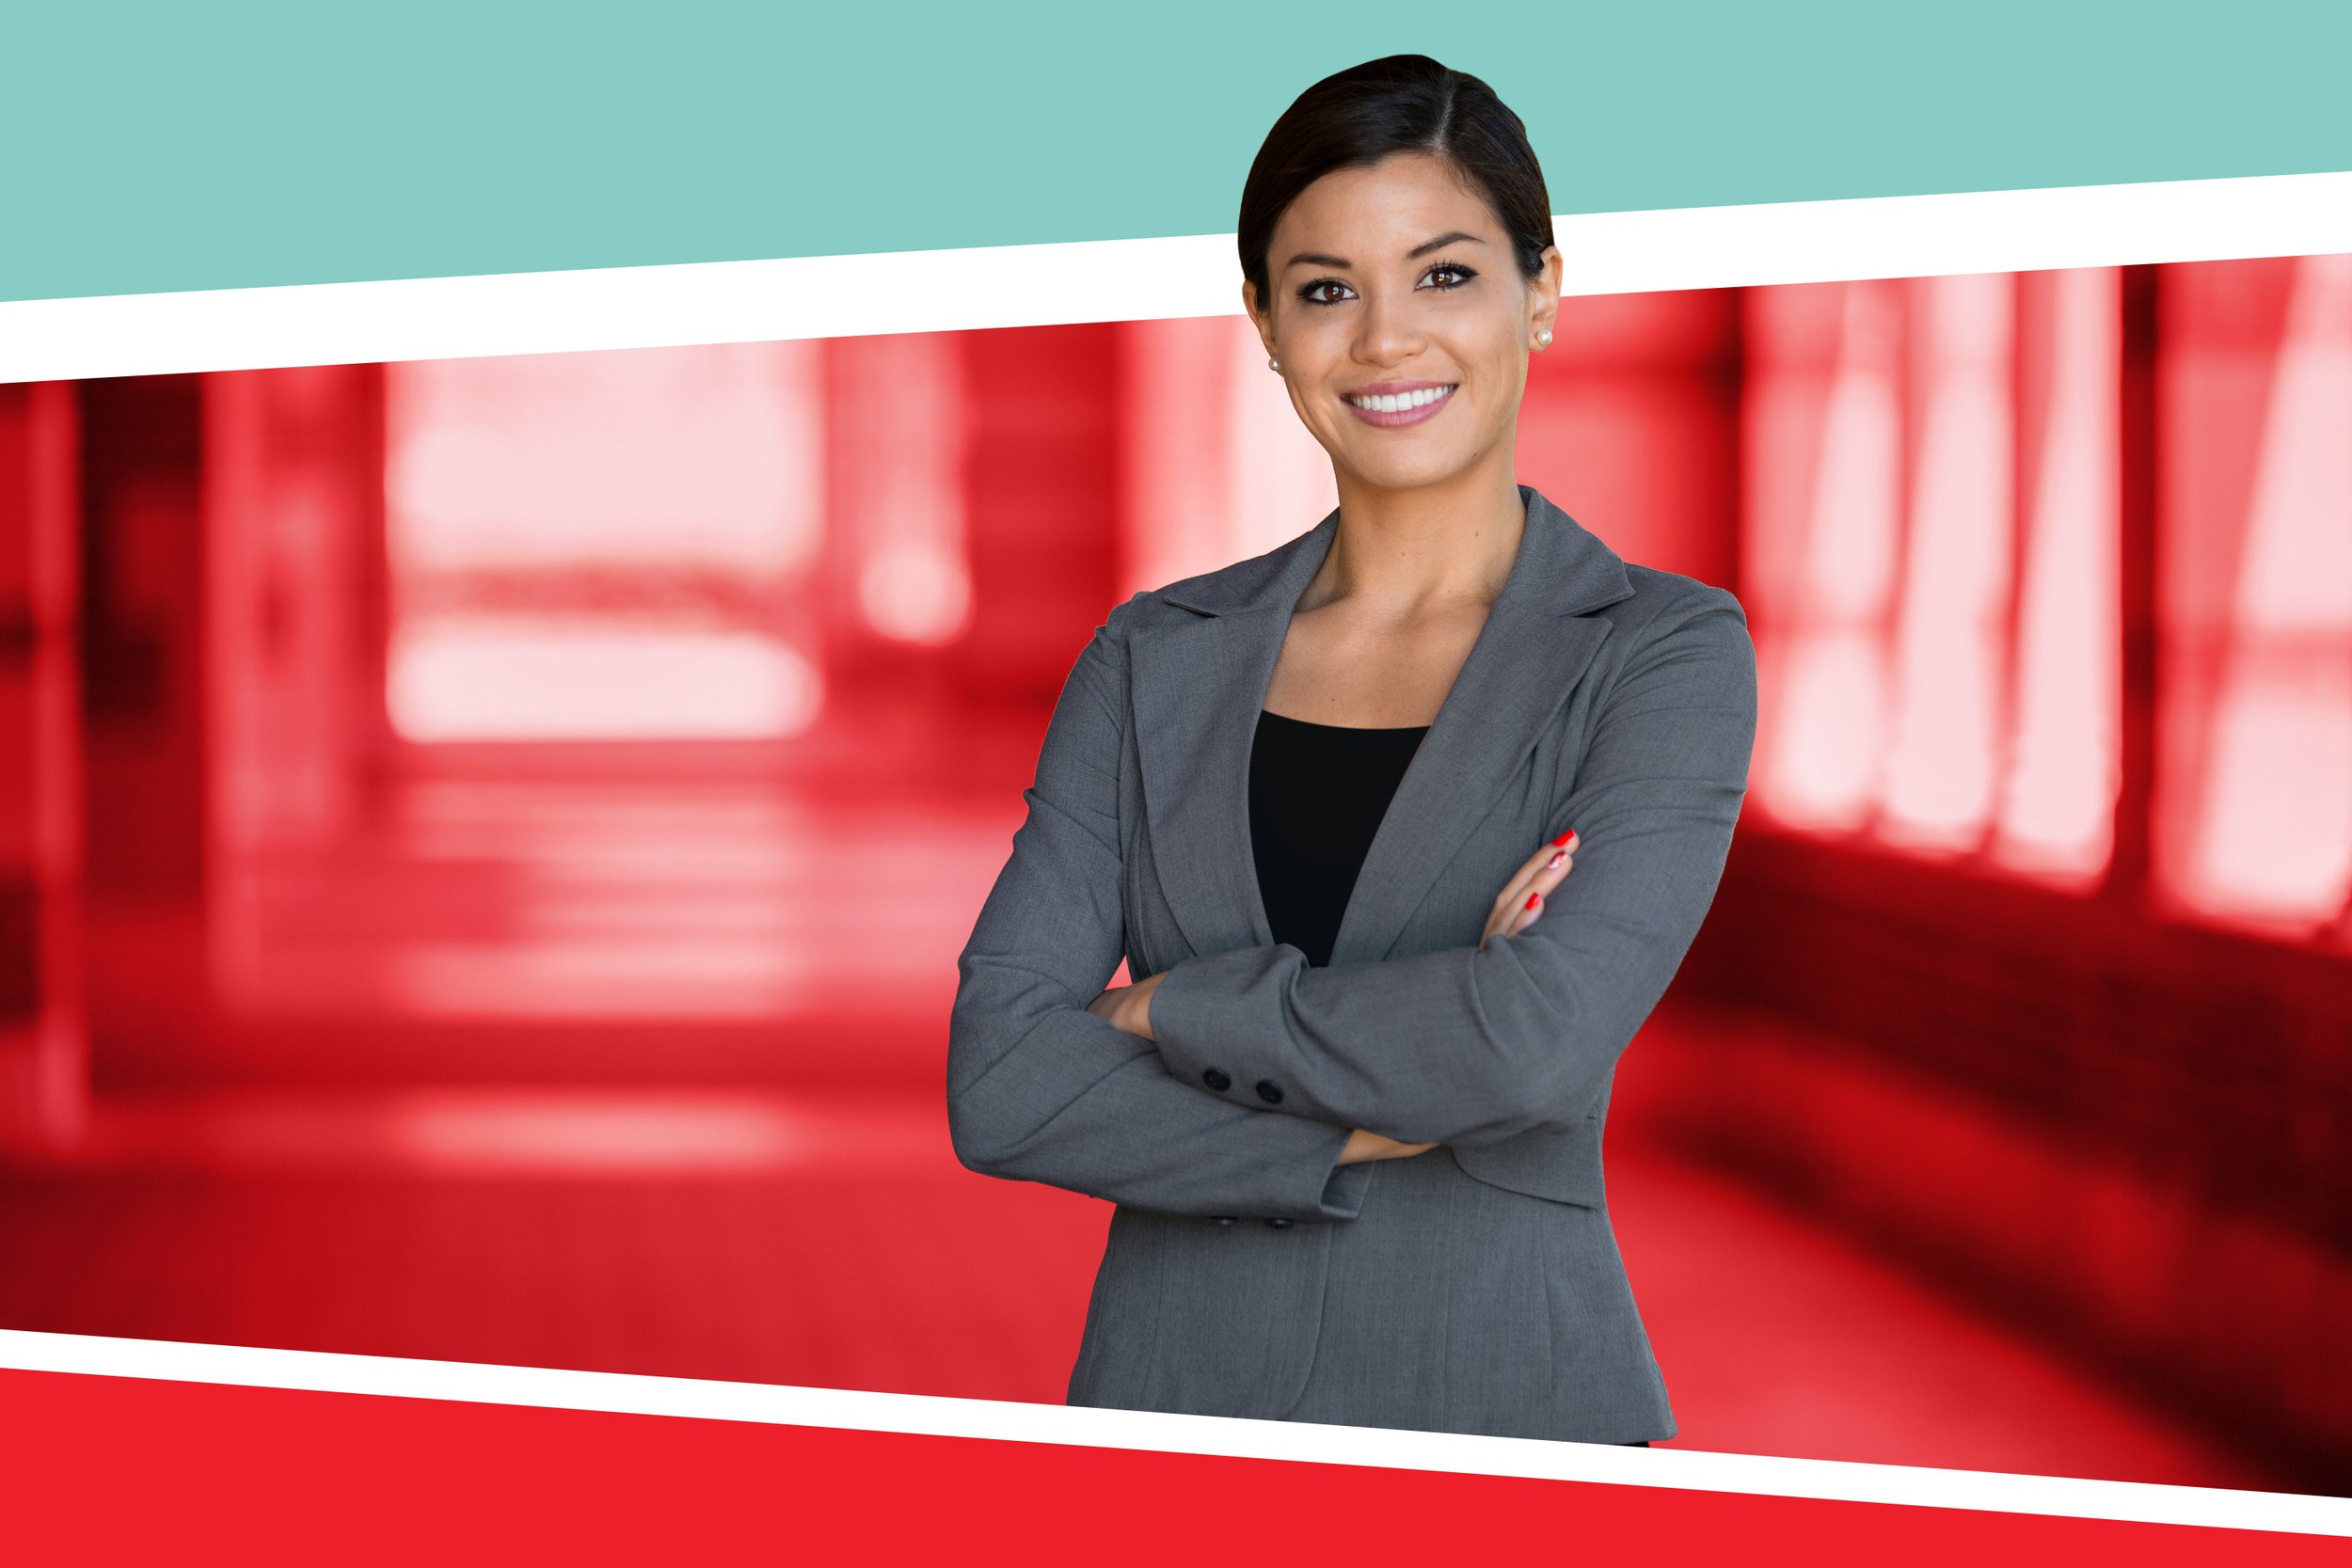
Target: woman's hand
x=1129, y=1007
x=1515, y=909
x=1362, y=1145
x=1521, y=900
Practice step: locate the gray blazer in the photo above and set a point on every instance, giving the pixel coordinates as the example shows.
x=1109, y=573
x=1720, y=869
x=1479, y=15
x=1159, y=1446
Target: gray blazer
x=1476, y=1286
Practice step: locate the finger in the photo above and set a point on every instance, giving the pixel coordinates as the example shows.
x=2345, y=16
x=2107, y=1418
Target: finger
x=1498, y=920
x=1543, y=871
x=1515, y=892
x=1539, y=896
x=1529, y=910
x=1508, y=920
x=1554, y=869
x=1551, y=873
x=1519, y=916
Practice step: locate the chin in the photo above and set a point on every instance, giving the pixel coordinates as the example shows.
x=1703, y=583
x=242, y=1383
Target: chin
x=1398, y=471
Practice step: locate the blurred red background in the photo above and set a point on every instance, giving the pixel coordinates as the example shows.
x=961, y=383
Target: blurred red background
x=484, y=845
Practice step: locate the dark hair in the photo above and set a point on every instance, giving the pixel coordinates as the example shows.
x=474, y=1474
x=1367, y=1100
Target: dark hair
x=1398, y=104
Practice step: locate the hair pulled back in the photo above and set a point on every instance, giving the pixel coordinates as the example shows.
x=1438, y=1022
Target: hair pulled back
x=1398, y=104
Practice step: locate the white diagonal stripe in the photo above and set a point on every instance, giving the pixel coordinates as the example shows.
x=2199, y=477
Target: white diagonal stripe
x=933, y=1415
x=936, y=291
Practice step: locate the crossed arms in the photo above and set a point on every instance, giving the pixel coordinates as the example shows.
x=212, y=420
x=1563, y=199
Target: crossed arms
x=1039, y=1087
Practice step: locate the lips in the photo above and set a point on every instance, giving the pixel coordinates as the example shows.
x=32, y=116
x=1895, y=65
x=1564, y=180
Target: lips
x=1389, y=403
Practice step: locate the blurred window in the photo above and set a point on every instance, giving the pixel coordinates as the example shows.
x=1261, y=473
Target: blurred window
x=604, y=546
x=1930, y=564
x=2254, y=790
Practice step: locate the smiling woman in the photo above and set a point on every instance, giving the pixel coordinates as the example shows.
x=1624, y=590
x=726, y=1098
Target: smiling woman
x=1374, y=1011
x=1398, y=257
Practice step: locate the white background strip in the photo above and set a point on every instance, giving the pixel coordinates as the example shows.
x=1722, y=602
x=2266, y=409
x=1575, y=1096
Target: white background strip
x=1687, y=1468
x=932, y=290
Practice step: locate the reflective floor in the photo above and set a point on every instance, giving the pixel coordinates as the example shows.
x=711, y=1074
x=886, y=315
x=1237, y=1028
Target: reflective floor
x=642, y=1074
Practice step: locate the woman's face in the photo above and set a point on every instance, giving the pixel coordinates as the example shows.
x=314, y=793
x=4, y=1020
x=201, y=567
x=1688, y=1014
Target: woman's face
x=1396, y=283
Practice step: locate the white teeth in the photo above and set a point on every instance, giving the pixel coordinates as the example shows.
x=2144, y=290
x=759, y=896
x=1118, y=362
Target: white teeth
x=1397, y=402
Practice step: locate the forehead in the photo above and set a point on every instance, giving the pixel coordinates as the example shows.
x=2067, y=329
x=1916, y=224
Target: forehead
x=1381, y=209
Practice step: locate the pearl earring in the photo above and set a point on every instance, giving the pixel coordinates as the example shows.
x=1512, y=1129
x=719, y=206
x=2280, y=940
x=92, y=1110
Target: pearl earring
x=1274, y=364
x=1543, y=338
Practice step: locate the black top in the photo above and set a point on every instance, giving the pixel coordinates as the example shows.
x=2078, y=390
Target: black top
x=1317, y=793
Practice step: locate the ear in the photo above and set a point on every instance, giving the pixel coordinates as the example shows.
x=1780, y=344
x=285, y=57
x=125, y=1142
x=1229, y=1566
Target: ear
x=1544, y=294
x=1264, y=323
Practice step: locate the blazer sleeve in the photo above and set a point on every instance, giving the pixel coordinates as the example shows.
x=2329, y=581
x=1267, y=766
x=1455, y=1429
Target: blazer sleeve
x=1464, y=1045
x=1042, y=1089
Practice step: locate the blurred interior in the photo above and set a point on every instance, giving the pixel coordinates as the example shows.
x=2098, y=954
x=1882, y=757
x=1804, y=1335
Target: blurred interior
x=484, y=845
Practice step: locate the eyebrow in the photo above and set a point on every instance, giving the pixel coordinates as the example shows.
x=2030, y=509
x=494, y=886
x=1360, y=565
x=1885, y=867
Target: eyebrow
x=1317, y=257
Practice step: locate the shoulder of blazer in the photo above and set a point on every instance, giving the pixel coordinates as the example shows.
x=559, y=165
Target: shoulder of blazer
x=1563, y=570
x=1663, y=600
x=1236, y=584
x=1698, y=628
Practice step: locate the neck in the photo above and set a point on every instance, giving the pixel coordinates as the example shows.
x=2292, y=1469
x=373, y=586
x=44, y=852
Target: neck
x=1403, y=551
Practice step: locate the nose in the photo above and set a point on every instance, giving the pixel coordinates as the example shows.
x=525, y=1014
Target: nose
x=1388, y=329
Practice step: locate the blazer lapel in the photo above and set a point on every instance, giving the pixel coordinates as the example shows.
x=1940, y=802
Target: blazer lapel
x=1518, y=673
x=1198, y=687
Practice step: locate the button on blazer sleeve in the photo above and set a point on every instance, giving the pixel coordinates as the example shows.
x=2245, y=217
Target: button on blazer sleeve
x=1464, y=1045
x=1042, y=1089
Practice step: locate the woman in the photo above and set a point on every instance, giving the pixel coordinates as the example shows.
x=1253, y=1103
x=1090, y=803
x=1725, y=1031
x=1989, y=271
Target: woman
x=1324, y=802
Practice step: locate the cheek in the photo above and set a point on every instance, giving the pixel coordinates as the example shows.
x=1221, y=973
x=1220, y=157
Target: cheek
x=1499, y=352
x=1503, y=374
x=1317, y=349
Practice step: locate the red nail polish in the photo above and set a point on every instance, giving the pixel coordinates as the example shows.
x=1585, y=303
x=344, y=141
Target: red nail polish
x=1532, y=899
x=1564, y=837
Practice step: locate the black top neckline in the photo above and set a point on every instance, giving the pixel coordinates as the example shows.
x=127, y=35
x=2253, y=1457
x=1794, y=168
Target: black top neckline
x=1318, y=796
x=1344, y=729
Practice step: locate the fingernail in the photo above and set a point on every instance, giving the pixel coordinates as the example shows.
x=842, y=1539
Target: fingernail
x=1534, y=898
x=1559, y=859
x=1564, y=837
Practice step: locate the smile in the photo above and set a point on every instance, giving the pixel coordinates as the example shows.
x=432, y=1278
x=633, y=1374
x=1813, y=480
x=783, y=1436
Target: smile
x=1411, y=406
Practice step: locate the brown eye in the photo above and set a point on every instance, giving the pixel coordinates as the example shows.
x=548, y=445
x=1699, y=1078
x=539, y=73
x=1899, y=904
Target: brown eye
x=1446, y=269
x=1313, y=293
